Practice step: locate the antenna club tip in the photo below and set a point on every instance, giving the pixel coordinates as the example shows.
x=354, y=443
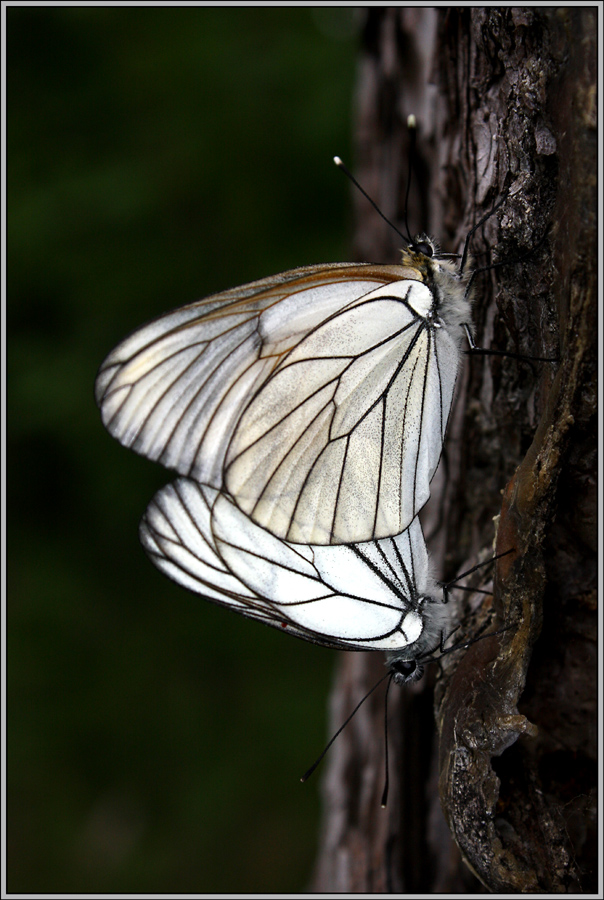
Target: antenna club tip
x=338, y=161
x=411, y=121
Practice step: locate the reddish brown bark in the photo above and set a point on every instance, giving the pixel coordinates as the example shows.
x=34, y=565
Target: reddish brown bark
x=506, y=780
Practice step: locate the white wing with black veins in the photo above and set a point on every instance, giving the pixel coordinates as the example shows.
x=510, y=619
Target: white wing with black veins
x=377, y=595
x=318, y=398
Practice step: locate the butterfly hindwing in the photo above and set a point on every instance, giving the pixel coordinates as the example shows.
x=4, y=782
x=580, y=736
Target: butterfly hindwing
x=373, y=596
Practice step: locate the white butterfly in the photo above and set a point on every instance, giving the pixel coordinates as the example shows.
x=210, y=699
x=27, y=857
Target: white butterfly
x=378, y=595
x=318, y=399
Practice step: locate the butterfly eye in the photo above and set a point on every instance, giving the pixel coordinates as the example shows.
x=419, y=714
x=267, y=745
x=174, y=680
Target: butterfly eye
x=425, y=248
x=406, y=671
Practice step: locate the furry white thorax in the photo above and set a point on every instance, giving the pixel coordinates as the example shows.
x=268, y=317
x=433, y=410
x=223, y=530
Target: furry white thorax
x=436, y=624
x=452, y=301
x=454, y=308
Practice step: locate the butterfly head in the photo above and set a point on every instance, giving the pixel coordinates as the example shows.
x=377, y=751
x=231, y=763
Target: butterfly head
x=424, y=256
x=419, y=255
x=423, y=245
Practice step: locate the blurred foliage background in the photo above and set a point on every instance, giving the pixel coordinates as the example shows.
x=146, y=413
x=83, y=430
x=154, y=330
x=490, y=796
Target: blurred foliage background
x=155, y=155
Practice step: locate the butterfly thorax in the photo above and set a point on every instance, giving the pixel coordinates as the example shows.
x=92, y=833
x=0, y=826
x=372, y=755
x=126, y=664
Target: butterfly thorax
x=452, y=301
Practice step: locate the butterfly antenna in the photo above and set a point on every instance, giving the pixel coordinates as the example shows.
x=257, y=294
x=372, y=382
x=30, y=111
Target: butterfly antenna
x=309, y=772
x=349, y=175
x=387, y=776
x=412, y=128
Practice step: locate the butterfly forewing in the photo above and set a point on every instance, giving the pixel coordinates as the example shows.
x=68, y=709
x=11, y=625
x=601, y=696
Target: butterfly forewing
x=365, y=596
x=318, y=398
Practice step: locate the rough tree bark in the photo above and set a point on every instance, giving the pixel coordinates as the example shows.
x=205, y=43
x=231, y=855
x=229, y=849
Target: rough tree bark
x=506, y=781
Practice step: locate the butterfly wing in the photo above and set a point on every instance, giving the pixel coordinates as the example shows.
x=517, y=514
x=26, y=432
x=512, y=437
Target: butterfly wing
x=339, y=445
x=318, y=398
x=175, y=389
x=360, y=597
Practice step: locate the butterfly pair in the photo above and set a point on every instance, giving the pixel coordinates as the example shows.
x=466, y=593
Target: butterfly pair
x=307, y=414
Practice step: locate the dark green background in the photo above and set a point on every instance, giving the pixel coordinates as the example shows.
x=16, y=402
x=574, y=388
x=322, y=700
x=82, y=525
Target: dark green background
x=155, y=741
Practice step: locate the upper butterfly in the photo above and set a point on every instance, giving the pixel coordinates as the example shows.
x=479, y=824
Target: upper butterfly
x=317, y=398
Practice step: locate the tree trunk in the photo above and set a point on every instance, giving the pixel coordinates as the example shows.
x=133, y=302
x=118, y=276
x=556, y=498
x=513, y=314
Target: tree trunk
x=505, y=100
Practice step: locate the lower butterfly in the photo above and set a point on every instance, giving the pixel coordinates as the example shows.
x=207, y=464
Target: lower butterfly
x=378, y=595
